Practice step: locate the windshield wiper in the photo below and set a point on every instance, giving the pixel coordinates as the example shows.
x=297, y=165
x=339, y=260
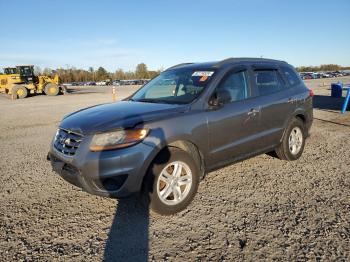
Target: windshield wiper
x=149, y=100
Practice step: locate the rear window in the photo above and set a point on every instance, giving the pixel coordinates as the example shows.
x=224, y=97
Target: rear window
x=268, y=81
x=291, y=76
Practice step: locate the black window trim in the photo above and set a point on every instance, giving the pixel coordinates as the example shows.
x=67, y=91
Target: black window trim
x=261, y=67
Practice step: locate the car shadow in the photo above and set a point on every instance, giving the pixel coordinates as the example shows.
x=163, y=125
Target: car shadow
x=128, y=236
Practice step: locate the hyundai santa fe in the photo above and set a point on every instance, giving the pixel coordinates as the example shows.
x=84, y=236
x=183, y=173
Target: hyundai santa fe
x=191, y=119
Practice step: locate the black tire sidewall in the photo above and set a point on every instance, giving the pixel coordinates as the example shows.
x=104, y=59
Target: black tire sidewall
x=168, y=155
x=294, y=123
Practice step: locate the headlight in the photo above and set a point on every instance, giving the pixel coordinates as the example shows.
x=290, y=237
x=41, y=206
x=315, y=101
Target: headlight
x=117, y=139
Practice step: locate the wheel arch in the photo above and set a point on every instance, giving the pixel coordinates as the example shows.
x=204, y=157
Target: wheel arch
x=192, y=150
x=186, y=146
x=299, y=114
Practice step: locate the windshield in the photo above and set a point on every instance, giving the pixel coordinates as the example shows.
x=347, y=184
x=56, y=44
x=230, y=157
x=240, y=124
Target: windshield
x=26, y=71
x=10, y=71
x=178, y=86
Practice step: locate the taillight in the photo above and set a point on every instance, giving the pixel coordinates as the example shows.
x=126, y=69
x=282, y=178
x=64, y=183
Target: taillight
x=311, y=93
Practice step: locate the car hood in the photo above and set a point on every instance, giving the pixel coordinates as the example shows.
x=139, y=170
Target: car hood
x=124, y=114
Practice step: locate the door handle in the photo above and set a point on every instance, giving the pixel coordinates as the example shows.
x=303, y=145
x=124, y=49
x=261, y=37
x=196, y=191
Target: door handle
x=253, y=112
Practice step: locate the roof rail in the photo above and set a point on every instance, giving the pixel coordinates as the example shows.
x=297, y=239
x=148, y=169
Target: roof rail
x=225, y=61
x=182, y=64
x=244, y=59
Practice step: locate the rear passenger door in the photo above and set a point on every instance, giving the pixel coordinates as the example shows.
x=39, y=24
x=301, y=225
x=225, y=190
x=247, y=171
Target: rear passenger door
x=277, y=104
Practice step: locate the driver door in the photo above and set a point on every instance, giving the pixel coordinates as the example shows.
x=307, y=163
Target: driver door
x=234, y=126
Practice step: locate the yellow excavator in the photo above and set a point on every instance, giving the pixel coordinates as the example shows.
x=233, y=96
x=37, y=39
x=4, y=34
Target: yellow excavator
x=20, y=81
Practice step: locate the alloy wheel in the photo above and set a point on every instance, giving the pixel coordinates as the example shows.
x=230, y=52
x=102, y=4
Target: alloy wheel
x=174, y=183
x=295, y=140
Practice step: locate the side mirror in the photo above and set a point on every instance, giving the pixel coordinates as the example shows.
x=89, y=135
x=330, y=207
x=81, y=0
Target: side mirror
x=220, y=97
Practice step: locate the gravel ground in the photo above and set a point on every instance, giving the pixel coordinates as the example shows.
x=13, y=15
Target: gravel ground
x=261, y=208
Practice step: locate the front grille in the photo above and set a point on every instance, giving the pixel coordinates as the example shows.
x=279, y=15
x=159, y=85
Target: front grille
x=67, y=142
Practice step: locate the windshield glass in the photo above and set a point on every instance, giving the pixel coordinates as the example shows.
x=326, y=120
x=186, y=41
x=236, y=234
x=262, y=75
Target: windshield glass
x=178, y=86
x=26, y=71
x=10, y=71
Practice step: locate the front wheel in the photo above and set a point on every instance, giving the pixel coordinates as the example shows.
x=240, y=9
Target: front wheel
x=172, y=181
x=51, y=89
x=293, y=141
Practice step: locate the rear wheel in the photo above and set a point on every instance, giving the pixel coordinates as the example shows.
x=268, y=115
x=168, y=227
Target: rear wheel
x=20, y=91
x=51, y=89
x=172, y=181
x=293, y=141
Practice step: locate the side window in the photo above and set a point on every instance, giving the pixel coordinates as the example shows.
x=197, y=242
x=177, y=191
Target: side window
x=236, y=84
x=291, y=76
x=268, y=81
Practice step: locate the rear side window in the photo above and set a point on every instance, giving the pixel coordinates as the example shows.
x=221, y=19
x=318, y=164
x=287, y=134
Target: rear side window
x=268, y=81
x=290, y=75
x=236, y=85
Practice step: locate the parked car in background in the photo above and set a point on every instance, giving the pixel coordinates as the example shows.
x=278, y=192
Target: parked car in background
x=116, y=82
x=133, y=81
x=307, y=76
x=90, y=84
x=101, y=83
x=318, y=75
x=128, y=82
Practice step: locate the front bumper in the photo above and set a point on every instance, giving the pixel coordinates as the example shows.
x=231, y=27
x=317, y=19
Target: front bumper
x=115, y=173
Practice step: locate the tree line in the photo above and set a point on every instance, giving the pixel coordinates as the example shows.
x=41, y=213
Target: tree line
x=141, y=71
x=327, y=67
x=68, y=75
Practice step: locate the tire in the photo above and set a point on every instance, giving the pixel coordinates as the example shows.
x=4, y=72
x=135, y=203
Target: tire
x=51, y=89
x=186, y=180
x=64, y=90
x=293, y=141
x=20, y=91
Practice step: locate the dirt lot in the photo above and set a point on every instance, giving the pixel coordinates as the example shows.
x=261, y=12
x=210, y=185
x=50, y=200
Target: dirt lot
x=262, y=208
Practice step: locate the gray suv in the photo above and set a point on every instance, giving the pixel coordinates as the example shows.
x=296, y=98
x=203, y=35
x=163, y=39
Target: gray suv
x=191, y=119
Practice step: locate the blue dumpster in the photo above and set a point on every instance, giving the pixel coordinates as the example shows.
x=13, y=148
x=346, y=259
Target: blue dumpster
x=337, y=89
